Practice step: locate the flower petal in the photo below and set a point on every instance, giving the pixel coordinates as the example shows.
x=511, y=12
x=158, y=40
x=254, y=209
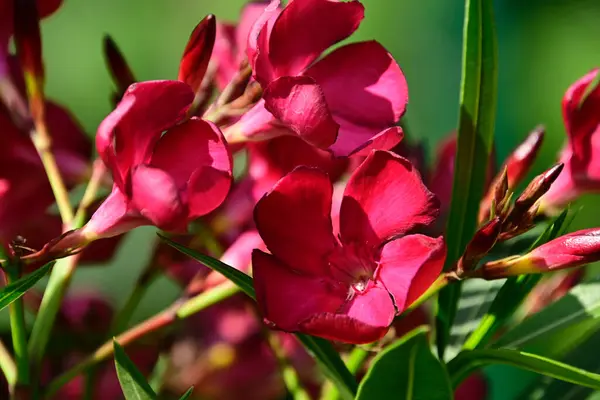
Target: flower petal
x=207, y=189
x=113, y=217
x=363, y=84
x=189, y=146
x=300, y=103
x=307, y=28
x=294, y=220
x=384, y=140
x=409, y=266
x=385, y=197
x=125, y=137
x=156, y=197
x=286, y=298
x=258, y=36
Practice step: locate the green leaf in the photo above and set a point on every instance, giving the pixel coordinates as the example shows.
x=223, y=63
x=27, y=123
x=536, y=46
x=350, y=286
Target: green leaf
x=406, y=370
x=322, y=350
x=187, y=394
x=478, y=97
x=514, y=291
x=234, y=275
x=133, y=383
x=560, y=327
x=15, y=290
x=469, y=360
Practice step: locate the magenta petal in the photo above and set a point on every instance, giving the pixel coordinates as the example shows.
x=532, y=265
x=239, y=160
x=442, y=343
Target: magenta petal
x=156, y=197
x=294, y=220
x=189, y=146
x=374, y=307
x=113, y=217
x=299, y=103
x=384, y=197
x=287, y=298
x=127, y=135
x=410, y=265
x=207, y=189
x=385, y=140
x=363, y=84
x=342, y=328
x=307, y=28
x=257, y=49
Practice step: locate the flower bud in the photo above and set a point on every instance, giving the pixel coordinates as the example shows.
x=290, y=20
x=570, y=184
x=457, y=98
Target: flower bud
x=497, y=196
x=568, y=251
x=29, y=51
x=118, y=68
x=536, y=189
x=198, y=50
x=482, y=242
x=521, y=159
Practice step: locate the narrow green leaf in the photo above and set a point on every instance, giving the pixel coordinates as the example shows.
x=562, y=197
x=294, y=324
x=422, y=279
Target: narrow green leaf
x=133, y=383
x=406, y=370
x=322, y=350
x=478, y=97
x=560, y=327
x=234, y=275
x=187, y=394
x=15, y=290
x=470, y=360
x=513, y=292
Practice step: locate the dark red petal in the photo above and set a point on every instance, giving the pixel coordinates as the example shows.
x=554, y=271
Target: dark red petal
x=196, y=55
x=385, y=197
x=156, y=197
x=287, y=298
x=409, y=265
x=384, y=140
x=341, y=328
x=307, y=28
x=363, y=84
x=126, y=136
x=300, y=104
x=189, y=146
x=294, y=220
x=207, y=189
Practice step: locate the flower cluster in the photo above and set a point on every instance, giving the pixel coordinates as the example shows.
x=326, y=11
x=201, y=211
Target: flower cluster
x=336, y=217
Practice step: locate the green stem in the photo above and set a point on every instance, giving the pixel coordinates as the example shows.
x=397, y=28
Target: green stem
x=121, y=320
x=8, y=366
x=355, y=361
x=178, y=311
x=18, y=330
x=441, y=282
x=288, y=372
x=53, y=295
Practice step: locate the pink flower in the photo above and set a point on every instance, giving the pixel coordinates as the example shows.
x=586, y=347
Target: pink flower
x=581, y=155
x=167, y=169
x=338, y=102
x=347, y=289
x=229, y=51
x=45, y=8
x=475, y=387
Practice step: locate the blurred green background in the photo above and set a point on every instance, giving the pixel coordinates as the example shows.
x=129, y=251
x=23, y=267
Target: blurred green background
x=545, y=45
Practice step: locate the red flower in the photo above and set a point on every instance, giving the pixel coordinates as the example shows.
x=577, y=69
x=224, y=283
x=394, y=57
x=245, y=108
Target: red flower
x=581, y=155
x=348, y=289
x=338, y=102
x=45, y=8
x=167, y=169
x=25, y=193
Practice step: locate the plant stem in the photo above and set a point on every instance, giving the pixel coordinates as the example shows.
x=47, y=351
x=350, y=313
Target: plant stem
x=43, y=144
x=91, y=191
x=53, y=295
x=7, y=364
x=288, y=372
x=441, y=282
x=176, y=312
x=18, y=331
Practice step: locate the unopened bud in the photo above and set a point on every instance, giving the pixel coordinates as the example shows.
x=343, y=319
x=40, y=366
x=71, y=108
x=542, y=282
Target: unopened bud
x=537, y=188
x=569, y=251
x=497, y=197
x=118, y=68
x=198, y=50
x=519, y=162
x=29, y=52
x=482, y=242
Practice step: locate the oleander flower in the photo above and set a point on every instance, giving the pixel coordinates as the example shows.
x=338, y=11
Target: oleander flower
x=338, y=102
x=347, y=288
x=581, y=155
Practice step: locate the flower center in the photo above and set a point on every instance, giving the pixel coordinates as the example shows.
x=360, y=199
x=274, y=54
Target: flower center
x=353, y=265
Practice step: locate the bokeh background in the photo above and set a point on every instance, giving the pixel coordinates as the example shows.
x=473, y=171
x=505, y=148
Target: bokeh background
x=544, y=46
